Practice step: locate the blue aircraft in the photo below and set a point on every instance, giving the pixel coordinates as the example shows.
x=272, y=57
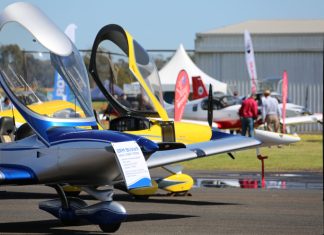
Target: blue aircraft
x=69, y=148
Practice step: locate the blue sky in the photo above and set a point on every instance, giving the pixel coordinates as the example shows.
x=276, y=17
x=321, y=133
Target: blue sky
x=165, y=24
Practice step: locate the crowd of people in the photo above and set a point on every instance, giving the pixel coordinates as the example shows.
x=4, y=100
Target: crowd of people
x=270, y=112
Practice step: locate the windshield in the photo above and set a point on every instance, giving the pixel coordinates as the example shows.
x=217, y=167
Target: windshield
x=72, y=69
x=119, y=74
x=28, y=68
x=272, y=83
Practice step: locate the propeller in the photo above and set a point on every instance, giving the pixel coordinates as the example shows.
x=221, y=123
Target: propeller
x=306, y=99
x=210, y=113
x=210, y=106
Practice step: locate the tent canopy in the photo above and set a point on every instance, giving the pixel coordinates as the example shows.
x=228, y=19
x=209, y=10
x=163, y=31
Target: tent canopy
x=180, y=60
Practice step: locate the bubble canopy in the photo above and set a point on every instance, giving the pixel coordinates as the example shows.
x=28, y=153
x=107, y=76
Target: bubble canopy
x=119, y=60
x=33, y=51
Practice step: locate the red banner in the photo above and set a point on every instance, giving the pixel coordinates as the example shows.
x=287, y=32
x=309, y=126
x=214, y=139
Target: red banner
x=182, y=90
x=284, y=99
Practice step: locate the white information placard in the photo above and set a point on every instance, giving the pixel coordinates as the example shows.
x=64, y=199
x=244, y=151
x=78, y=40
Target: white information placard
x=132, y=164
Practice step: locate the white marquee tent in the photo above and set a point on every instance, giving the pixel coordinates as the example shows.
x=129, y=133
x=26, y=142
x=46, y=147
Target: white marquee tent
x=168, y=74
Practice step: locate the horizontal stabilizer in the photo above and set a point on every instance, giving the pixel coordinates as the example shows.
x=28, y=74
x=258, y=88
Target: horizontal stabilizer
x=269, y=138
x=314, y=118
x=203, y=149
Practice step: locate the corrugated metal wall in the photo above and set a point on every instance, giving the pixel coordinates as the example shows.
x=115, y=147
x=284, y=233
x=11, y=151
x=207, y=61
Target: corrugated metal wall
x=222, y=57
x=297, y=94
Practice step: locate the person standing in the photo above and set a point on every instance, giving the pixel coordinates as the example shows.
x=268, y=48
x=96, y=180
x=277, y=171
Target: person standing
x=271, y=112
x=248, y=113
x=6, y=104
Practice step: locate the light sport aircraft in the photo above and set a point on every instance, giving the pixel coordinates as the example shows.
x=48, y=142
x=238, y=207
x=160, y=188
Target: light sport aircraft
x=118, y=60
x=62, y=153
x=225, y=110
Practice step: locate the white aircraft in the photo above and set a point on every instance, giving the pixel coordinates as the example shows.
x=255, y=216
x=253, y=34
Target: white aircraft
x=225, y=113
x=60, y=152
x=226, y=107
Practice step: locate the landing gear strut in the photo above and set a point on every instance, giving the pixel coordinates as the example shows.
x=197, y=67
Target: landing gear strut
x=107, y=214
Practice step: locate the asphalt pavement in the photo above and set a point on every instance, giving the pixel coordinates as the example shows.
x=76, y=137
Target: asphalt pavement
x=210, y=210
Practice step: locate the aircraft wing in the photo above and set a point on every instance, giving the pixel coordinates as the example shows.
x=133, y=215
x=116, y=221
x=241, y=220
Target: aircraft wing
x=314, y=118
x=226, y=144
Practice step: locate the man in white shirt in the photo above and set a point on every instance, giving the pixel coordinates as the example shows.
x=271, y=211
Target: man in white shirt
x=271, y=112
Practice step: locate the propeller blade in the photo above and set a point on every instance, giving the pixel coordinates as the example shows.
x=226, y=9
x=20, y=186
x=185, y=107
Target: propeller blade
x=210, y=106
x=306, y=98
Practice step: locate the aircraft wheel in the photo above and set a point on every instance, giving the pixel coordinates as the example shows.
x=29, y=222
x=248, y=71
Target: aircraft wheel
x=68, y=217
x=109, y=228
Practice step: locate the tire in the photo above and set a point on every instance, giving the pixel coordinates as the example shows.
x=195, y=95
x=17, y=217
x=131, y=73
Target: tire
x=109, y=228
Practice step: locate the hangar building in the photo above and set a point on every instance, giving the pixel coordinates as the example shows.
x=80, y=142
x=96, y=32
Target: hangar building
x=296, y=46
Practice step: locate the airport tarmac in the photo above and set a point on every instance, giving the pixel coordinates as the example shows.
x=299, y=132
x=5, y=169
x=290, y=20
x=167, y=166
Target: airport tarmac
x=210, y=210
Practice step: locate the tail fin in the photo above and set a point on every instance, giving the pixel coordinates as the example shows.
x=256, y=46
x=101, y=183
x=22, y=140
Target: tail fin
x=198, y=87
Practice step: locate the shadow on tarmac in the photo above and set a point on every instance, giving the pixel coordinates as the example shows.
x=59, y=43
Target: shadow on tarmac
x=117, y=197
x=24, y=195
x=44, y=226
x=155, y=216
x=56, y=227
x=171, y=200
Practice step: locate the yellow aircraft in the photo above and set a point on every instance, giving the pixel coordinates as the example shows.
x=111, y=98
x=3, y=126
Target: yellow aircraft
x=128, y=79
x=118, y=62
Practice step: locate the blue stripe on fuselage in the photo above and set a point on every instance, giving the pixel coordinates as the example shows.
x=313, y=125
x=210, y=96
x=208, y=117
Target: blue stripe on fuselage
x=72, y=134
x=16, y=174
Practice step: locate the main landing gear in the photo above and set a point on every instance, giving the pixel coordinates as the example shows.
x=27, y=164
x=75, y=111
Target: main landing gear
x=70, y=210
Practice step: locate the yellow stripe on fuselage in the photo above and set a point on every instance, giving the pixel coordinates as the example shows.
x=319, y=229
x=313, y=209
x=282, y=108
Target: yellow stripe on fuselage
x=186, y=133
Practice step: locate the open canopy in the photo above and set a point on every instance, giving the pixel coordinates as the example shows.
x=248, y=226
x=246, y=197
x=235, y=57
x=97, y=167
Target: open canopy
x=31, y=49
x=119, y=61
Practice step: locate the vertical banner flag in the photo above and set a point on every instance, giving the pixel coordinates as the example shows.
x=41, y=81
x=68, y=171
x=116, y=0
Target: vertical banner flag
x=250, y=61
x=182, y=90
x=61, y=90
x=284, y=99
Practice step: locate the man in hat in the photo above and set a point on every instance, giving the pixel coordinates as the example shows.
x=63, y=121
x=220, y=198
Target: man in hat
x=271, y=112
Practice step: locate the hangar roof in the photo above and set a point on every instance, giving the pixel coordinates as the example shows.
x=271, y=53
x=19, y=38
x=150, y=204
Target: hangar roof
x=272, y=27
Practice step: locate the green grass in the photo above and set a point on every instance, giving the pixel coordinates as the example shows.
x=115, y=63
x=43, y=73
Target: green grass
x=306, y=155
